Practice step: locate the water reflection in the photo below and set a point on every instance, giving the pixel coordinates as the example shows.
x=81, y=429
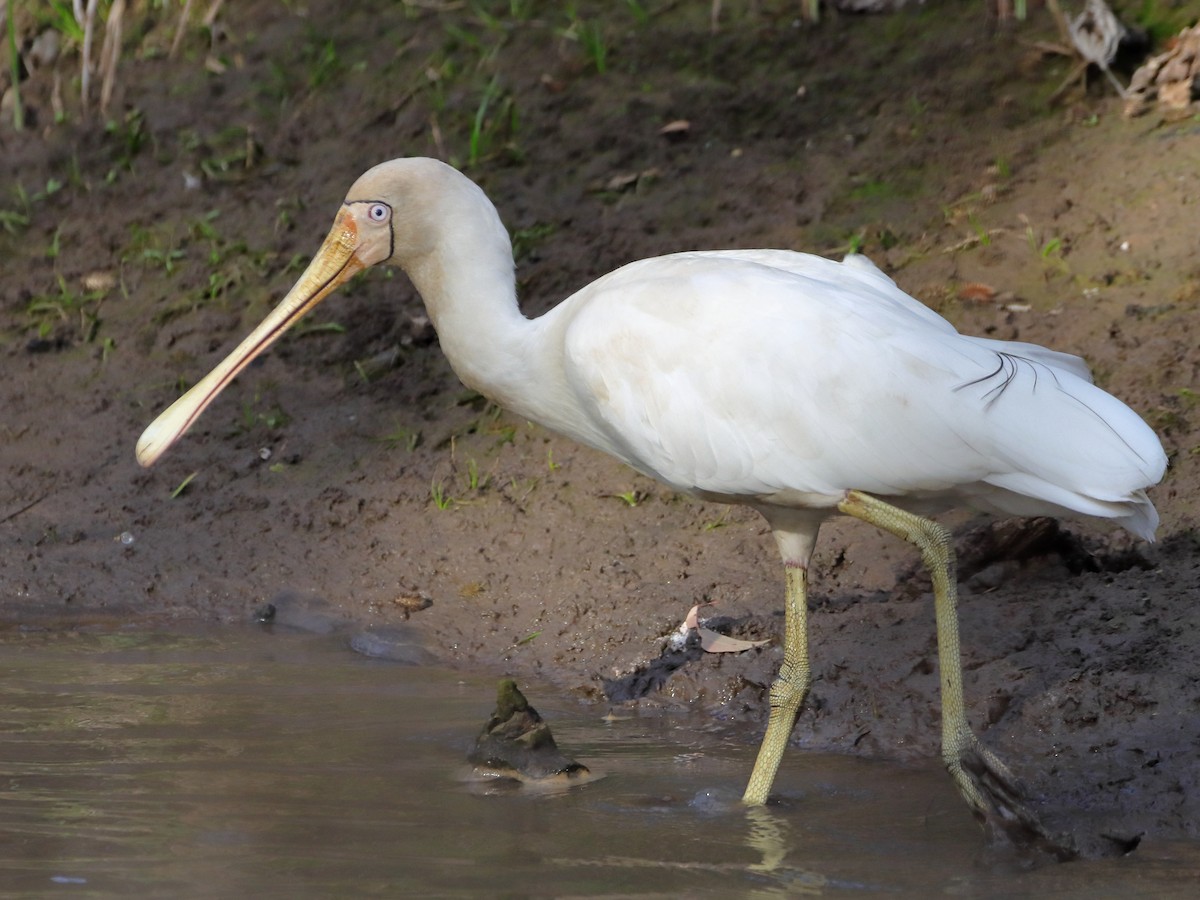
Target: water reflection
x=238, y=763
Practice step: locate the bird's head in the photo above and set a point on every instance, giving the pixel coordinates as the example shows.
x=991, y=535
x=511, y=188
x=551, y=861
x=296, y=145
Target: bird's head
x=376, y=224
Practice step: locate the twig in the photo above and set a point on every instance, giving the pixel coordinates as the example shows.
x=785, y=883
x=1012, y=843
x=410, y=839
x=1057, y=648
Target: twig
x=1064, y=30
x=24, y=509
x=973, y=240
x=89, y=27
x=110, y=52
x=15, y=69
x=210, y=17
x=179, y=29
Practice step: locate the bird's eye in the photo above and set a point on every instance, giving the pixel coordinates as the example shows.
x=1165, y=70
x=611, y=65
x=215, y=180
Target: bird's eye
x=379, y=212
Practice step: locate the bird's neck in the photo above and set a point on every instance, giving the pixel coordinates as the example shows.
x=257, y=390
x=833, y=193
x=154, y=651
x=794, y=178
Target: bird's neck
x=472, y=303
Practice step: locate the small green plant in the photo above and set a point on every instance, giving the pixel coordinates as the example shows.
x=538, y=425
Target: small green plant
x=873, y=189
x=226, y=155
x=521, y=10
x=183, y=485
x=525, y=240
x=591, y=38
x=324, y=64
x=493, y=126
x=715, y=523
x=12, y=220
x=48, y=311
x=153, y=246
x=639, y=11
x=475, y=481
x=400, y=436
x=130, y=138
x=164, y=258
x=273, y=418
x=55, y=248
x=631, y=498
x=437, y=493
x=1050, y=251
x=53, y=186
x=505, y=434
x=550, y=463
x=17, y=219
x=981, y=233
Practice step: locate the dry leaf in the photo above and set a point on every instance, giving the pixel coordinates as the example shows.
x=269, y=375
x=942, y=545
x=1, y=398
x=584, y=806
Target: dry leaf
x=715, y=642
x=621, y=181
x=977, y=292
x=99, y=281
x=677, y=129
x=625, y=180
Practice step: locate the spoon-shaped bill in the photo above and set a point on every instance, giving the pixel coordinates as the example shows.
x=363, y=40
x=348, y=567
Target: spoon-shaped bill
x=335, y=263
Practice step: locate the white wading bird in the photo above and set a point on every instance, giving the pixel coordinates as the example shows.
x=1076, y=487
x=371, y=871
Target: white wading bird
x=798, y=386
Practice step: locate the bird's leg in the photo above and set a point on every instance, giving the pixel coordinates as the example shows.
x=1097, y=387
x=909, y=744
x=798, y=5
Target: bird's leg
x=982, y=779
x=789, y=687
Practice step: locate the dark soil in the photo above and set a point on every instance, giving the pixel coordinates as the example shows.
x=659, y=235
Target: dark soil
x=350, y=472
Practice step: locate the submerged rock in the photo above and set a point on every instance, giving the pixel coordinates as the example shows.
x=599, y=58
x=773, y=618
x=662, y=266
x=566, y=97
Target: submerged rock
x=394, y=643
x=517, y=743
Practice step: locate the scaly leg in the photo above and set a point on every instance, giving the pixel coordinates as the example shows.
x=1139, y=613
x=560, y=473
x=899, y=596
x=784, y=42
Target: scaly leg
x=795, y=533
x=982, y=779
x=788, y=689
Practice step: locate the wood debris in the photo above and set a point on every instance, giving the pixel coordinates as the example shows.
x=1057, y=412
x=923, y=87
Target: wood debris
x=1170, y=80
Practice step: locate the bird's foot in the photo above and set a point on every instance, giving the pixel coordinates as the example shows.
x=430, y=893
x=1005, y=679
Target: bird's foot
x=997, y=800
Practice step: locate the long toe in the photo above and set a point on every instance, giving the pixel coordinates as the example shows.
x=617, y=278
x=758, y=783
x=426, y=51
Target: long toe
x=998, y=802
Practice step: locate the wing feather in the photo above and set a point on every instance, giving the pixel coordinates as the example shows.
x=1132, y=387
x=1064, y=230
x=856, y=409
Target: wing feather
x=759, y=374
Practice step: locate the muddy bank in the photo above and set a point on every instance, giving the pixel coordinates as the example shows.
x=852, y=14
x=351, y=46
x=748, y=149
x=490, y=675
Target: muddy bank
x=350, y=472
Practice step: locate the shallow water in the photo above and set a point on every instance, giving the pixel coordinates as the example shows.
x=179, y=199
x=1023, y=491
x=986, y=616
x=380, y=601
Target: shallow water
x=244, y=763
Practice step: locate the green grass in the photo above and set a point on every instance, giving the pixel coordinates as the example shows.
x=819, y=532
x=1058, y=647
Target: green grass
x=475, y=481
x=1161, y=18
x=14, y=221
x=1050, y=251
x=526, y=240
x=322, y=62
x=437, y=493
x=494, y=125
x=183, y=485
x=128, y=138
x=273, y=417
x=874, y=189
x=591, y=38
x=632, y=498
x=981, y=232
x=55, y=248
x=639, y=12
x=78, y=312
x=402, y=436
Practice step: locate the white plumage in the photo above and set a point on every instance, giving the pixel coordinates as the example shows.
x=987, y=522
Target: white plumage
x=797, y=385
x=742, y=375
